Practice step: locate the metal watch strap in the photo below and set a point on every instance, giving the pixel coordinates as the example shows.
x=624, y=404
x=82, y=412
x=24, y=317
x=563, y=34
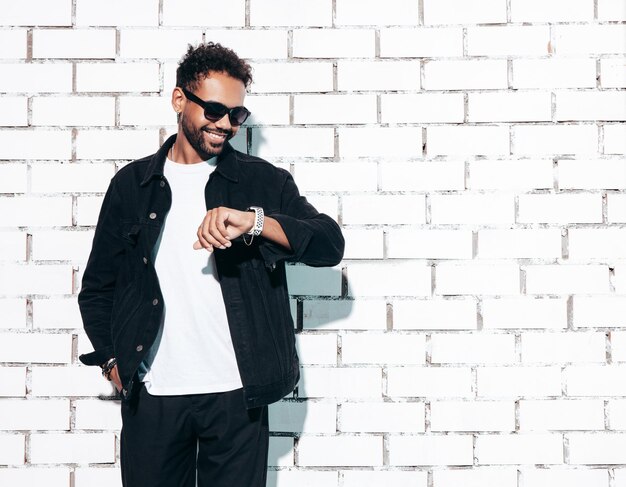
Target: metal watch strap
x=259, y=218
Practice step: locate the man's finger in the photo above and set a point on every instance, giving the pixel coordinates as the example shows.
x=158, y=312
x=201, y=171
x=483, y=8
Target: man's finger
x=215, y=230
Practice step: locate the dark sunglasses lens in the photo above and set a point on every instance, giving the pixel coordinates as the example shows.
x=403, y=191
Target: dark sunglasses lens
x=214, y=111
x=238, y=116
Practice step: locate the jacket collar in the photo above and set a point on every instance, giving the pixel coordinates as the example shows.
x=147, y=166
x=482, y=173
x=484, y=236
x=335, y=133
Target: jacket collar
x=227, y=162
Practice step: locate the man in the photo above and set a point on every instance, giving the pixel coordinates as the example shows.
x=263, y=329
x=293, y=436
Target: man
x=184, y=296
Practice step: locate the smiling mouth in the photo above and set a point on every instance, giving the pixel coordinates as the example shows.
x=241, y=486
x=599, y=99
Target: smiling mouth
x=218, y=136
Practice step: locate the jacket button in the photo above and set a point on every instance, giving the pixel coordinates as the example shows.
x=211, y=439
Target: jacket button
x=139, y=348
x=152, y=215
x=162, y=183
x=145, y=260
x=155, y=301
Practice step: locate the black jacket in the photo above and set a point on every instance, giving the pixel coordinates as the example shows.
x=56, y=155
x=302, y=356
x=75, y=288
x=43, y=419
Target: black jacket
x=120, y=299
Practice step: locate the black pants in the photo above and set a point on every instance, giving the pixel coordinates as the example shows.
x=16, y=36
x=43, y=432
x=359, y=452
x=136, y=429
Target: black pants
x=165, y=439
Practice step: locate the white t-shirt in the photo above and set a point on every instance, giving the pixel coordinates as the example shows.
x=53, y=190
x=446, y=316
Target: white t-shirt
x=193, y=352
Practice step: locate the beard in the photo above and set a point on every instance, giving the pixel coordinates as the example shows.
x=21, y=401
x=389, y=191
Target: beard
x=199, y=141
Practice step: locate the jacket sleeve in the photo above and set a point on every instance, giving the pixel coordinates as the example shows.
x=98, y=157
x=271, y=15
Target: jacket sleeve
x=95, y=298
x=315, y=238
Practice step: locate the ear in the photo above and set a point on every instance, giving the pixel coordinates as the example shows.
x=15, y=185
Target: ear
x=178, y=100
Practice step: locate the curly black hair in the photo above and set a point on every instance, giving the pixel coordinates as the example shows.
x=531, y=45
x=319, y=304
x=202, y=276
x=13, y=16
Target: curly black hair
x=210, y=56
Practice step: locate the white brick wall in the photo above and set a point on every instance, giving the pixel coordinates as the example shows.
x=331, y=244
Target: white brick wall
x=473, y=153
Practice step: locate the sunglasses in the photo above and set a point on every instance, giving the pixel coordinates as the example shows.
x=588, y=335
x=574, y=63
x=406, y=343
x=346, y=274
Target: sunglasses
x=214, y=111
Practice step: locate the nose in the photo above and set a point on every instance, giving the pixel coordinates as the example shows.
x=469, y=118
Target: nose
x=224, y=123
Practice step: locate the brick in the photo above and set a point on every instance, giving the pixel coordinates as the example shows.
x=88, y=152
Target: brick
x=592, y=311
x=74, y=43
x=12, y=449
x=157, y=43
x=328, y=204
x=554, y=139
x=422, y=176
x=379, y=141
x=554, y=73
x=97, y=477
x=373, y=417
x=561, y=414
x=297, y=77
x=50, y=477
x=12, y=246
x=334, y=109
x=614, y=139
x=384, y=209
x=12, y=382
x=363, y=243
x=344, y=451
x=421, y=42
x=566, y=279
x=146, y=111
x=467, y=140
x=72, y=448
x=96, y=414
x=372, y=478
x=435, y=314
x=13, y=178
x=524, y=312
x=592, y=174
x=251, y=44
x=412, y=381
x=476, y=348
x=303, y=417
x=563, y=347
x=472, y=208
x=611, y=10
x=12, y=43
x=512, y=175
x=383, y=348
x=598, y=448
x=70, y=178
x=508, y=40
x=618, y=346
x=13, y=312
x=344, y=314
x=472, y=416
x=378, y=75
x=62, y=245
x=34, y=414
x=302, y=477
x=35, y=279
x=596, y=243
x=613, y=73
x=286, y=13
x=317, y=349
x=516, y=381
x=341, y=382
x=56, y=313
x=476, y=477
x=554, y=11
x=36, y=211
x=619, y=278
x=410, y=279
x=590, y=39
x=417, y=450
x=394, y=12
x=463, y=12
x=118, y=77
x=118, y=13
x=505, y=106
x=545, y=448
x=74, y=110
x=13, y=111
x=87, y=209
x=281, y=452
x=37, y=12
x=35, y=144
x=617, y=414
x=36, y=348
x=423, y=107
x=69, y=381
x=465, y=74
x=570, y=476
x=585, y=105
x=204, y=13
x=519, y=243
x=332, y=43
x=293, y=142
x=268, y=109
x=115, y=144
x=320, y=281
x=36, y=78
x=429, y=244
x=560, y=208
x=595, y=380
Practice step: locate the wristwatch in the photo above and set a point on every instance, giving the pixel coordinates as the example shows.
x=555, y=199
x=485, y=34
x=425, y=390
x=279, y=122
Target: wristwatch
x=259, y=218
